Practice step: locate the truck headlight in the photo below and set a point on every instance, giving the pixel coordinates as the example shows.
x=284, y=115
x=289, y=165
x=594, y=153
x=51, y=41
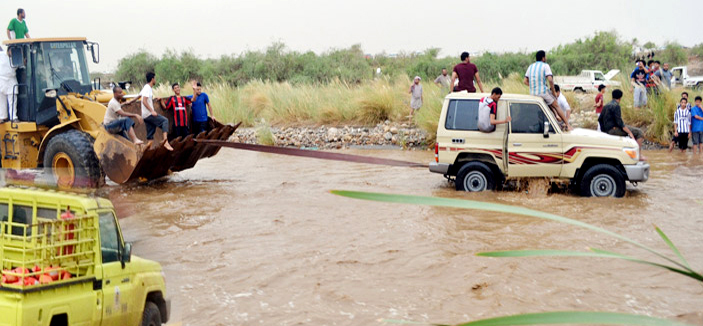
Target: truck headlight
x=632, y=152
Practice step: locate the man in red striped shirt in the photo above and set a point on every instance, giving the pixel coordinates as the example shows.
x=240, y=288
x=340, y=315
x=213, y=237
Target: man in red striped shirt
x=180, y=114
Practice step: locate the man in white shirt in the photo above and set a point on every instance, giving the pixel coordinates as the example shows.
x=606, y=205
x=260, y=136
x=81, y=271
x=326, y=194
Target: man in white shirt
x=152, y=120
x=563, y=103
x=117, y=121
x=8, y=80
x=488, y=111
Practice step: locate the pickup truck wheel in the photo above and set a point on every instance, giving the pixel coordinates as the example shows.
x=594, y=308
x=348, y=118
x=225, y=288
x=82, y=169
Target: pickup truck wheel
x=475, y=176
x=151, y=316
x=603, y=180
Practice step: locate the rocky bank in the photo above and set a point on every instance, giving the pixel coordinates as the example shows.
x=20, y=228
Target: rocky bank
x=336, y=137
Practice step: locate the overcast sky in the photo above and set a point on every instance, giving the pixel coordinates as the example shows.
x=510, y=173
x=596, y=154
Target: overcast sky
x=213, y=28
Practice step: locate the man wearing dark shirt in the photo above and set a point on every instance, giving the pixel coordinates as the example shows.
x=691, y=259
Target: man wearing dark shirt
x=610, y=120
x=466, y=72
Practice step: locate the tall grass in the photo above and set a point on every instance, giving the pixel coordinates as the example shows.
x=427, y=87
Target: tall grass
x=387, y=98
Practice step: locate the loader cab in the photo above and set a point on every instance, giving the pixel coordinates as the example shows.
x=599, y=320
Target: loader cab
x=45, y=70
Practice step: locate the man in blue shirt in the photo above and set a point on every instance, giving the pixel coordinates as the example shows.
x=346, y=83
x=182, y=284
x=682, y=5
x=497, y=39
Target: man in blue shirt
x=200, y=107
x=697, y=126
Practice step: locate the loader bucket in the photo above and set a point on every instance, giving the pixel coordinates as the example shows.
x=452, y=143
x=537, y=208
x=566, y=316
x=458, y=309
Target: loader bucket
x=122, y=161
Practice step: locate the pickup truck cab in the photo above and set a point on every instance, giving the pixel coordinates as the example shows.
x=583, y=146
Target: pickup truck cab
x=587, y=80
x=64, y=262
x=531, y=145
x=681, y=77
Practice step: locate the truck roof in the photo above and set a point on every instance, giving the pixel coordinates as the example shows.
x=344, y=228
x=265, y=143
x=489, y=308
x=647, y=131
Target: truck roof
x=42, y=196
x=505, y=96
x=42, y=40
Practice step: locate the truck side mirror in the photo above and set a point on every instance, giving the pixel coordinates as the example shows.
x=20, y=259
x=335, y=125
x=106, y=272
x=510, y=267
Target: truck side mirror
x=16, y=56
x=94, y=51
x=546, y=129
x=126, y=254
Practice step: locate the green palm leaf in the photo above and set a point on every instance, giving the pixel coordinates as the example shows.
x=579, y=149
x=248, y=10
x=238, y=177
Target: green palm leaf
x=672, y=246
x=596, y=253
x=471, y=204
x=564, y=317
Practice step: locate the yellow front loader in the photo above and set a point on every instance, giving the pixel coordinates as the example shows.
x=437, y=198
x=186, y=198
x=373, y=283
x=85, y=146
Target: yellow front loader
x=59, y=114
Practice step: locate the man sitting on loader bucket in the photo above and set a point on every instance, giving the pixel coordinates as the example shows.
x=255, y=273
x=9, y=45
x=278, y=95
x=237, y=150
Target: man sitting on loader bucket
x=121, y=126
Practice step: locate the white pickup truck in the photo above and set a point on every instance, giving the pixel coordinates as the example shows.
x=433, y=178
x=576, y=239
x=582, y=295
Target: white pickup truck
x=681, y=77
x=587, y=80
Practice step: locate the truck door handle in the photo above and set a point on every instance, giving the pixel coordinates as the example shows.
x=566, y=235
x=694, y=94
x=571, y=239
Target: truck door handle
x=517, y=144
x=125, y=280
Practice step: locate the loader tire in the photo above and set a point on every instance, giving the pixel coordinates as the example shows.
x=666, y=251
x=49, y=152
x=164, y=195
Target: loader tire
x=73, y=161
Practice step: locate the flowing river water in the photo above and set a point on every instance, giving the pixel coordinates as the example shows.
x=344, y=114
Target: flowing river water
x=251, y=238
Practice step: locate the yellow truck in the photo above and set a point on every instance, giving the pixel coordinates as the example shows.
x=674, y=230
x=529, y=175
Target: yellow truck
x=530, y=146
x=64, y=262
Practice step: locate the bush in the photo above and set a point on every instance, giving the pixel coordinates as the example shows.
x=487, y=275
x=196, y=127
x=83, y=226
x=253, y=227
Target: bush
x=135, y=66
x=674, y=54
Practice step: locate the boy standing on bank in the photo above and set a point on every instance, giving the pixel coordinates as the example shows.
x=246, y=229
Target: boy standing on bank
x=682, y=125
x=697, y=126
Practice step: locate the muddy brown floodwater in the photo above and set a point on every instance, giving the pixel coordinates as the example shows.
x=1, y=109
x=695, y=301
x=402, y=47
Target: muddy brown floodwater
x=251, y=238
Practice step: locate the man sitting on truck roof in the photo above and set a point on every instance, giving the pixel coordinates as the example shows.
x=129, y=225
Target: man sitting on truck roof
x=466, y=72
x=488, y=110
x=541, y=82
x=117, y=121
x=611, y=122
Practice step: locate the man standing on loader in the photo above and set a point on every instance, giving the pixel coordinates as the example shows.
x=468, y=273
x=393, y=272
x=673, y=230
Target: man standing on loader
x=8, y=98
x=117, y=121
x=180, y=114
x=152, y=120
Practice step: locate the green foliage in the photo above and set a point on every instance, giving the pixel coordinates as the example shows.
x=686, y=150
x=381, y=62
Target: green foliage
x=604, y=50
x=674, y=54
x=649, y=45
x=697, y=50
x=135, y=66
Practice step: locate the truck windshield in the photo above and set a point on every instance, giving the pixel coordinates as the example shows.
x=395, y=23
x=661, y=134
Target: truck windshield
x=599, y=76
x=62, y=62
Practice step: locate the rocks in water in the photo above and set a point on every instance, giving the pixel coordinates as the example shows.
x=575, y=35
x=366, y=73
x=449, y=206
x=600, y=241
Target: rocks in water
x=388, y=136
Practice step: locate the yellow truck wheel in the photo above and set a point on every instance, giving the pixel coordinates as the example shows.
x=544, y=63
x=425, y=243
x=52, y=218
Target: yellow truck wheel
x=151, y=315
x=72, y=160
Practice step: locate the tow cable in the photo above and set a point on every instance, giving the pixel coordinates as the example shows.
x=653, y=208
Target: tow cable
x=312, y=153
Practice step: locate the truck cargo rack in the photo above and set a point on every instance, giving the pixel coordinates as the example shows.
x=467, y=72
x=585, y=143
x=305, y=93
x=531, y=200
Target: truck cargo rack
x=52, y=247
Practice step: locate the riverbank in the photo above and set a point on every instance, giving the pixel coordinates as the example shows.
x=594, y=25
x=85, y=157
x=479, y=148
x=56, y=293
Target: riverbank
x=401, y=135
x=386, y=134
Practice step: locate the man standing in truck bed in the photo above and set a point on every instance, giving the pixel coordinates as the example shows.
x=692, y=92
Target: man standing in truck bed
x=466, y=72
x=541, y=82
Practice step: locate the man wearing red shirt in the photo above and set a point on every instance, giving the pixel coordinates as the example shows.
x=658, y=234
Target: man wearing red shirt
x=599, y=101
x=180, y=114
x=466, y=72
